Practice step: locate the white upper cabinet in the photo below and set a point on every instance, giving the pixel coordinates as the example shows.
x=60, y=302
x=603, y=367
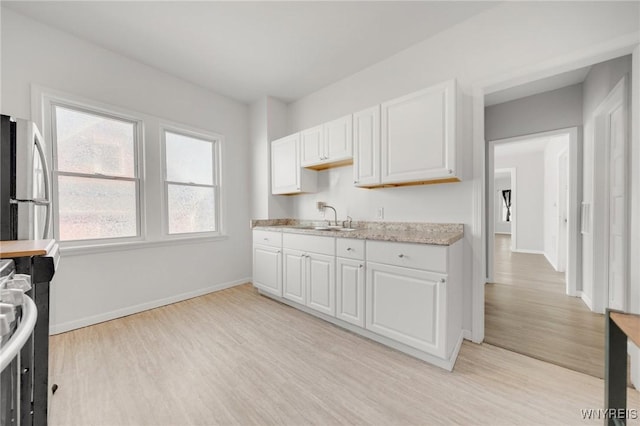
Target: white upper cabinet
x=330, y=144
x=287, y=176
x=418, y=136
x=338, y=139
x=312, y=146
x=366, y=147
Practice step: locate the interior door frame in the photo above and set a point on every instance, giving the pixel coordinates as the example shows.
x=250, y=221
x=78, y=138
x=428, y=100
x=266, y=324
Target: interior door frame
x=615, y=98
x=574, y=257
x=562, y=259
x=571, y=61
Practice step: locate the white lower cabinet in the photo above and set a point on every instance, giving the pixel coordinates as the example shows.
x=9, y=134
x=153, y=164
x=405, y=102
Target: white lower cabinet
x=294, y=277
x=407, y=305
x=267, y=269
x=321, y=283
x=309, y=264
x=350, y=291
x=267, y=261
x=407, y=296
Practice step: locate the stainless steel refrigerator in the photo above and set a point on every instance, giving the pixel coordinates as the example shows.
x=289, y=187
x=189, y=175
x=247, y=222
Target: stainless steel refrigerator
x=25, y=205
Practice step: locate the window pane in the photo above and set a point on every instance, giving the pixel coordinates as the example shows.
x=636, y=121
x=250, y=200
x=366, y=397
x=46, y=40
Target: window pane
x=189, y=160
x=96, y=208
x=89, y=143
x=191, y=209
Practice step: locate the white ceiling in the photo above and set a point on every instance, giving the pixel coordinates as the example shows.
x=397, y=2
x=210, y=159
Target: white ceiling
x=538, y=86
x=246, y=50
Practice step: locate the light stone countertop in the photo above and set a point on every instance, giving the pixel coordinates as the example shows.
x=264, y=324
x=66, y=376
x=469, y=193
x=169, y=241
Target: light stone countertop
x=443, y=234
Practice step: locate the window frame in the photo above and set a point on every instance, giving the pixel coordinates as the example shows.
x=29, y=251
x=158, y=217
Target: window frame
x=217, y=142
x=50, y=102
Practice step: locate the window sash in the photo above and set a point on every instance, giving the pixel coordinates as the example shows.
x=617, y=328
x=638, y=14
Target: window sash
x=215, y=158
x=214, y=154
x=99, y=177
x=215, y=212
x=56, y=172
x=100, y=113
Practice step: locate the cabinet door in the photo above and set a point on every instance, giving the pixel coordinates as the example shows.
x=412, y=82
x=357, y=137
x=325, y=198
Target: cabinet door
x=418, y=135
x=338, y=138
x=312, y=146
x=285, y=165
x=407, y=305
x=350, y=291
x=321, y=283
x=267, y=269
x=293, y=279
x=366, y=141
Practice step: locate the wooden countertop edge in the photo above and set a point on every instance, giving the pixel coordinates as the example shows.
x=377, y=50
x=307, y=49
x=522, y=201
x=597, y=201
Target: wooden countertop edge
x=629, y=324
x=25, y=248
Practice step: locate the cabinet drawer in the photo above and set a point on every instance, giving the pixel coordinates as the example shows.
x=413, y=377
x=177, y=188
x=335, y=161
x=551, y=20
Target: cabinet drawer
x=310, y=243
x=417, y=256
x=350, y=248
x=267, y=238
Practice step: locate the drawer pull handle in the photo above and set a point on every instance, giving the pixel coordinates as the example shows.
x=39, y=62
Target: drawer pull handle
x=266, y=239
x=360, y=266
x=442, y=280
x=401, y=255
x=349, y=249
x=278, y=251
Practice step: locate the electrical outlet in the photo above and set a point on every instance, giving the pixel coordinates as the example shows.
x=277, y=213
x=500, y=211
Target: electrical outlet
x=380, y=213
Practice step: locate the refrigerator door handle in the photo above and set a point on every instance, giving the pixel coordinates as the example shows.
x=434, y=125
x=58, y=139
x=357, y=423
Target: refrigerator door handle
x=36, y=201
x=45, y=172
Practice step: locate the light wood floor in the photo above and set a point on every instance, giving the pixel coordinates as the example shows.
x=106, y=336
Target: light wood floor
x=235, y=357
x=527, y=311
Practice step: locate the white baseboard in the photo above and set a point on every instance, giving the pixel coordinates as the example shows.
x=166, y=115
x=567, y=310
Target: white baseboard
x=445, y=363
x=528, y=251
x=586, y=299
x=553, y=264
x=467, y=335
x=129, y=310
x=502, y=233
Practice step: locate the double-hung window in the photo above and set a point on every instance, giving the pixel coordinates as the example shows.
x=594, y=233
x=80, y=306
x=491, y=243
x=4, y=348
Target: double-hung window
x=192, y=187
x=96, y=171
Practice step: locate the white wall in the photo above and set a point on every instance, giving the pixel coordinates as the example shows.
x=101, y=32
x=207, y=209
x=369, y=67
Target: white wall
x=555, y=147
x=94, y=287
x=556, y=109
x=276, y=128
x=500, y=40
x=259, y=172
x=528, y=208
x=502, y=182
x=599, y=82
x=268, y=122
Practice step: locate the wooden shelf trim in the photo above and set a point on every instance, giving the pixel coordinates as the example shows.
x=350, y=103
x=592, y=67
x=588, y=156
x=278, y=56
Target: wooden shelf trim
x=25, y=248
x=629, y=324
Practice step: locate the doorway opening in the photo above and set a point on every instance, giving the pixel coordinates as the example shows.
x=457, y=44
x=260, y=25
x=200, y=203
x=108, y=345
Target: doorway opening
x=562, y=258
x=530, y=298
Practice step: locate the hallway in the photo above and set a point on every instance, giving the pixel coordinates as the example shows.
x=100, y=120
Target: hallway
x=527, y=311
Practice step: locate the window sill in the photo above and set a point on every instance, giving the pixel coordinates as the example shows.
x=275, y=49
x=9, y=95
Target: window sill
x=80, y=250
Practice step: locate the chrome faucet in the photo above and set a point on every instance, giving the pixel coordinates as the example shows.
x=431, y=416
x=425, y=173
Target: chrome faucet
x=349, y=220
x=321, y=205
